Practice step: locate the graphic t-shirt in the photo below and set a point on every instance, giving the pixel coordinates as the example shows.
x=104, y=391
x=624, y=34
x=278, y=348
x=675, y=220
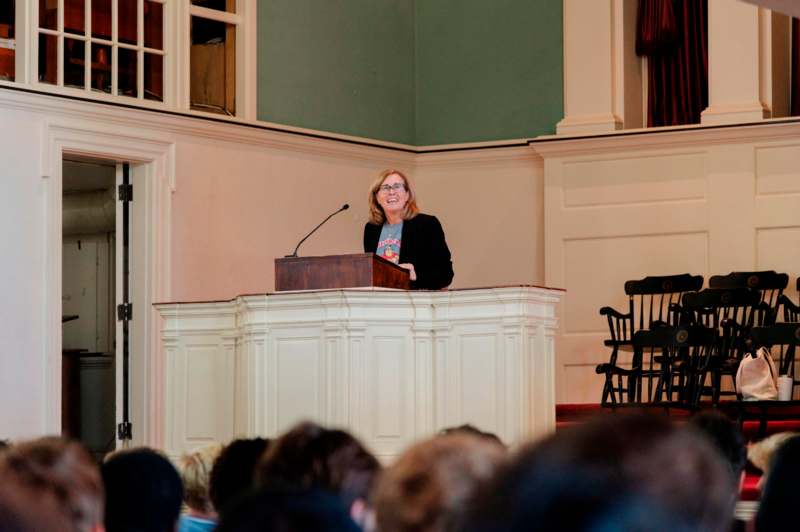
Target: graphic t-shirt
x=389, y=242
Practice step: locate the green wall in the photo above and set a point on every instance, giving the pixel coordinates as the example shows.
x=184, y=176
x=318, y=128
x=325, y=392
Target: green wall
x=420, y=72
x=345, y=66
x=487, y=70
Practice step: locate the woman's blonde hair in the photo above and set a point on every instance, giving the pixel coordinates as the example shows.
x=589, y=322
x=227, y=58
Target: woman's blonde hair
x=195, y=469
x=376, y=214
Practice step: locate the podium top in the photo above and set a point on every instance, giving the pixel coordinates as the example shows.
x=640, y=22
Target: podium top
x=357, y=270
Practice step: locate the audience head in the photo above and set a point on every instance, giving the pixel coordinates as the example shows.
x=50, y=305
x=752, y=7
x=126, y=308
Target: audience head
x=763, y=452
x=431, y=483
x=234, y=470
x=58, y=474
x=195, y=469
x=726, y=438
x=143, y=492
x=473, y=430
x=287, y=511
x=573, y=479
x=780, y=497
x=23, y=510
x=309, y=456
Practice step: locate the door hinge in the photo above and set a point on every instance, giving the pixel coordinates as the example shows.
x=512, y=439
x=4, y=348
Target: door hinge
x=125, y=430
x=124, y=311
x=126, y=192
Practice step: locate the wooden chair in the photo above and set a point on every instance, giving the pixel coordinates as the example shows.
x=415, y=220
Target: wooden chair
x=782, y=340
x=731, y=313
x=652, y=302
x=685, y=354
x=791, y=311
x=769, y=284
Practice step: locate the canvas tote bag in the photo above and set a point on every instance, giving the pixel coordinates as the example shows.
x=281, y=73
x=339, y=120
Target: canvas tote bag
x=755, y=378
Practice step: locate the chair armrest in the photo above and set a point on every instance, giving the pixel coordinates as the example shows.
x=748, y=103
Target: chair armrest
x=608, y=311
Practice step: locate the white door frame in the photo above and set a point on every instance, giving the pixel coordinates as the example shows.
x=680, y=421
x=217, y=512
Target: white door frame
x=156, y=161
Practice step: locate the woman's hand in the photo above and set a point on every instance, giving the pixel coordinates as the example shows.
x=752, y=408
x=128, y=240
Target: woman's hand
x=410, y=267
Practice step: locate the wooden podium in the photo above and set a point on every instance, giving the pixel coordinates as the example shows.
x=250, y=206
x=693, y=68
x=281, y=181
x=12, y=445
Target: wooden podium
x=358, y=270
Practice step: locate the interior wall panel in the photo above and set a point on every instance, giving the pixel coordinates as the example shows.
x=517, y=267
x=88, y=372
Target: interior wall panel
x=779, y=249
x=620, y=259
x=389, y=375
x=202, y=391
x=300, y=379
x=778, y=169
x=480, y=378
x=703, y=203
x=618, y=181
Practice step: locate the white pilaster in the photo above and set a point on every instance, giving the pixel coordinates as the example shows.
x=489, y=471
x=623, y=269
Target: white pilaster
x=602, y=75
x=744, y=49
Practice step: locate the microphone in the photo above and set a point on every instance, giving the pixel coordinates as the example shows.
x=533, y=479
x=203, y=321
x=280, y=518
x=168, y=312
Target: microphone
x=342, y=208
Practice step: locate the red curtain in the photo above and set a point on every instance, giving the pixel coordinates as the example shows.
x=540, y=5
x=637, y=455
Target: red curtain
x=673, y=36
x=795, y=89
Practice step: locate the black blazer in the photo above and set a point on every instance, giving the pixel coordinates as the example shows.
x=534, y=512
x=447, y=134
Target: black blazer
x=423, y=245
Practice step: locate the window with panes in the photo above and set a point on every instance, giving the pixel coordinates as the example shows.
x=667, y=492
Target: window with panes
x=7, y=39
x=109, y=46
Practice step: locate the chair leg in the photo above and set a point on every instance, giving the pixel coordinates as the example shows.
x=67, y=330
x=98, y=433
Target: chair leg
x=716, y=386
x=604, y=400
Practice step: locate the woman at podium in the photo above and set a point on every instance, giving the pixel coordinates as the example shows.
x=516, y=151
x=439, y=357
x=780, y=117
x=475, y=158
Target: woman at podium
x=398, y=232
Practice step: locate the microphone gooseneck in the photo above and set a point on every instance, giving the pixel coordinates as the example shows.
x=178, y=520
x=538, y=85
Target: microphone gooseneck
x=342, y=208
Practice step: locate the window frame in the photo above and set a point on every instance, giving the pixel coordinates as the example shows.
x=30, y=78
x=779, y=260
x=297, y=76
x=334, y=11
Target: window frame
x=244, y=20
x=176, y=44
x=60, y=34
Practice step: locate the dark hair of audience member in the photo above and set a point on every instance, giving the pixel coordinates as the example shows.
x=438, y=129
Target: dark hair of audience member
x=58, y=471
x=573, y=479
x=23, y=510
x=143, y=492
x=287, y=511
x=726, y=437
x=432, y=482
x=310, y=456
x=234, y=469
x=780, y=498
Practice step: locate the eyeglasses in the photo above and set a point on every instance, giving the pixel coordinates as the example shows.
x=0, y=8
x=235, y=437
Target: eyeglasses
x=397, y=187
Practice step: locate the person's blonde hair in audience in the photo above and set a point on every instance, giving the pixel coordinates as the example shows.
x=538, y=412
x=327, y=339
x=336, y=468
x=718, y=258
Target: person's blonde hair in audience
x=777, y=509
x=195, y=469
x=58, y=473
x=761, y=453
x=428, y=488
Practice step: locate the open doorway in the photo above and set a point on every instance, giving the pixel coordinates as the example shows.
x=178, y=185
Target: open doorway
x=92, y=268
